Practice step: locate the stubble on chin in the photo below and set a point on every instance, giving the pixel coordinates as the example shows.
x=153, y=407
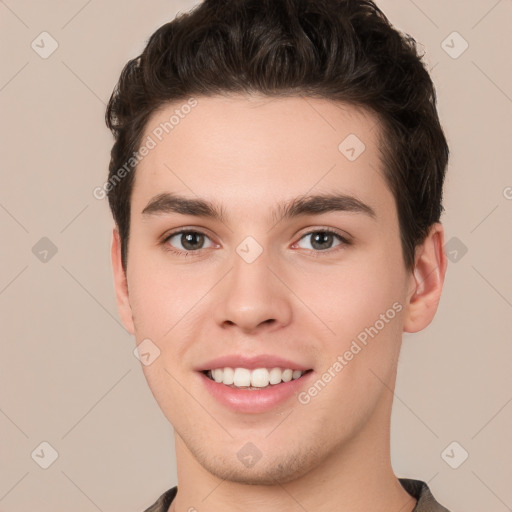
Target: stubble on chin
x=269, y=470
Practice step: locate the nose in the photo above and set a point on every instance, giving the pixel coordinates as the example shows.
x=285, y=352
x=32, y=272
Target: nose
x=251, y=297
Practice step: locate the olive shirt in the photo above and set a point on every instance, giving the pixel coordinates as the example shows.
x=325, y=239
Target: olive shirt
x=416, y=488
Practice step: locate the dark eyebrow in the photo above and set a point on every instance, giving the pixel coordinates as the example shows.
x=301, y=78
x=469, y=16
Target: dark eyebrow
x=173, y=203
x=305, y=205
x=323, y=203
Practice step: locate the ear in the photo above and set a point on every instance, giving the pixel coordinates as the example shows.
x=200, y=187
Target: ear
x=121, y=284
x=426, y=281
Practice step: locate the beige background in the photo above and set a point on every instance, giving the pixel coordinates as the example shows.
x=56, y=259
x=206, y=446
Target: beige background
x=67, y=372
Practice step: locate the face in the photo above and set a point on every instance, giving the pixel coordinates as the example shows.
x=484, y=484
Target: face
x=264, y=239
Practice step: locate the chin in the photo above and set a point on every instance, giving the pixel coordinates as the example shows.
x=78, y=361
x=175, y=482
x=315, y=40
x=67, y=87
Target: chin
x=281, y=468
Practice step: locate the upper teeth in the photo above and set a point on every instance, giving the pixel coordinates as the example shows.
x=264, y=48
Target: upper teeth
x=258, y=378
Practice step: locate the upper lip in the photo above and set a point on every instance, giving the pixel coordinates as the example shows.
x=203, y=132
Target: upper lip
x=251, y=363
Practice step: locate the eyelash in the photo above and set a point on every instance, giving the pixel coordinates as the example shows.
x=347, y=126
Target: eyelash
x=344, y=242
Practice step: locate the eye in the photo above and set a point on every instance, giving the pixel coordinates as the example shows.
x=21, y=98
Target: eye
x=190, y=241
x=323, y=239
x=187, y=241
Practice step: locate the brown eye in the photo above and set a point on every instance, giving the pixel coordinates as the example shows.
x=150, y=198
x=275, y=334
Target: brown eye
x=184, y=241
x=322, y=240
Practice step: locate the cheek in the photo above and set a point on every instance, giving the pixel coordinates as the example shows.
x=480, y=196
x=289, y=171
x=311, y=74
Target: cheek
x=348, y=299
x=364, y=305
x=164, y=383
x=161, y=296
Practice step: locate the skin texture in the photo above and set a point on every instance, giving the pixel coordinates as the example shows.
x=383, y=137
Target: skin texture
x=248, y=153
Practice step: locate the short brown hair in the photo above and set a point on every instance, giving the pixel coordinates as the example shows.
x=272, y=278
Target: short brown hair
x=342, y=50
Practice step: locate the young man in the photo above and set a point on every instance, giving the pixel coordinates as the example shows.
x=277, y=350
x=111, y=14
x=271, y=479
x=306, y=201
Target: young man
x=276, y=184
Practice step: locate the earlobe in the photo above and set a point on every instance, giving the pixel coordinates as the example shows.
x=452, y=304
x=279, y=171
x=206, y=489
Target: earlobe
x=121, y=284
x=427, y=280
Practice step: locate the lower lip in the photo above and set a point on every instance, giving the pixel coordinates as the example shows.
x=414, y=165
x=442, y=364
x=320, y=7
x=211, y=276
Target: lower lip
x=256, y=400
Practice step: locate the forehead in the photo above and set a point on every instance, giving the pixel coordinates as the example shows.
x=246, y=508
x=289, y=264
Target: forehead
x=251, y=151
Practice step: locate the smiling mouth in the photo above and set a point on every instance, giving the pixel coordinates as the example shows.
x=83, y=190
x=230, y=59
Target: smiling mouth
x=257, y=379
